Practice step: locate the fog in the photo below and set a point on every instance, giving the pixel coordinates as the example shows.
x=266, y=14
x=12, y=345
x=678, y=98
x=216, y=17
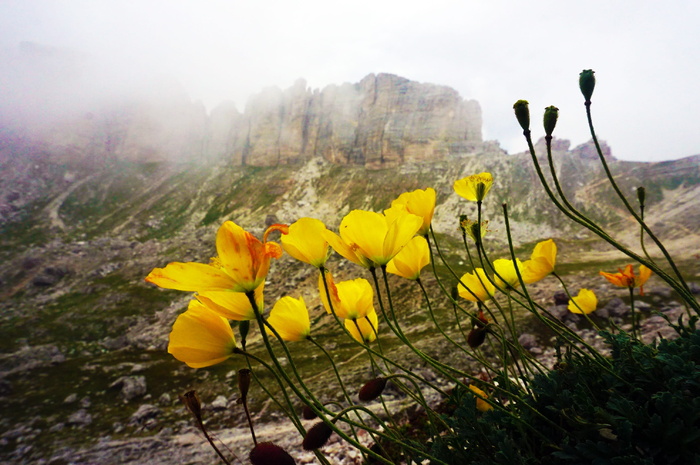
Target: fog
x=65, y=57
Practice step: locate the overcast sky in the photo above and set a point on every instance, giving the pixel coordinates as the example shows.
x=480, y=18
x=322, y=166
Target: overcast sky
x=646, y=54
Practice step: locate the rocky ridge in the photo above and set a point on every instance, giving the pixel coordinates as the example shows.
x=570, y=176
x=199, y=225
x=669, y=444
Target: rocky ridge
x=382, y=121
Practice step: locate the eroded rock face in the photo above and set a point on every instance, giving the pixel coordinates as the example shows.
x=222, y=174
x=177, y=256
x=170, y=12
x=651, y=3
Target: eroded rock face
x=384, y=120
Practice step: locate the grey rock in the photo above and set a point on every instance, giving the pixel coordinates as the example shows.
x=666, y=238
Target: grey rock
x=642, y=306
x=694, y=288
x=528, y=341
x=130, y=387
x=165, y=399
x=71, y=398
x=219, y=403
x=79, y=418
x=616, y=307
x=144, y=413
x=31, y=357
x=560, y=298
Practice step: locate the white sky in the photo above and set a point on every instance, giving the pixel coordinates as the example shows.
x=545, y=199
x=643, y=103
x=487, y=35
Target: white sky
x=646, y=54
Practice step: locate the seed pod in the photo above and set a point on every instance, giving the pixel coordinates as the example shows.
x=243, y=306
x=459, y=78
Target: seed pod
x=372, y=389
x=522, y=113
x=267, y=453
x=586, y=82
x=551, y=114
x=317, y=436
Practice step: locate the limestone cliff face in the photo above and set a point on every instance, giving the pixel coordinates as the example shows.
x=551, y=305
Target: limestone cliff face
x=384, y=120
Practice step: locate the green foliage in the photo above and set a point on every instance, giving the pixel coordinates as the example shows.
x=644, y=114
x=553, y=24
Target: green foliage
x=642, y=408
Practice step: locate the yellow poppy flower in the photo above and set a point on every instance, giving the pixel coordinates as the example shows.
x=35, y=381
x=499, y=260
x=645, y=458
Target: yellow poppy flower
x=372, y=239
x=411, y=259
x=419, y=202
x=505, y=275
x=367, y=327
x=242, y=264
x=475, y=187
x=305, y=241
x=585, y=302
x=232, y=305
x=541, y=262
x=352, y=299
x=200, y=337
x=478, y=287
x=627, y=278
x=290, y=318
x=481, y=404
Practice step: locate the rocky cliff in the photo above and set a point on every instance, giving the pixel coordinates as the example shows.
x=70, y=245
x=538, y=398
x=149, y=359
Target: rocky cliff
x=384, y=120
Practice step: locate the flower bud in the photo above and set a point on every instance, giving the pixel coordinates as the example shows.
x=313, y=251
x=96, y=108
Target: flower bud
x=317, y=436
x=243, y=329
x=454, y=292
x=267, y=453
x=476, y=337
x=586, y=83
x=307, y=413
x=551, y=114
x=641, y=195
x=243, y=382
x=372, y=389
x=192, y=404
x=522, y=113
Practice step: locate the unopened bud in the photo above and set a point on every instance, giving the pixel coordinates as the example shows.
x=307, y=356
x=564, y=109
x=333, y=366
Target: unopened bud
x=480, y=191
x=586, y=82
x=551, y=114
x=267, y=453
x=455, y=292
x=307, y=413
x=317, y=436
x=641, y=195
x=476, y=337
x=522, y=113
x=192, y=404
x=243, y=328
x=372, y=389
x=243, y=382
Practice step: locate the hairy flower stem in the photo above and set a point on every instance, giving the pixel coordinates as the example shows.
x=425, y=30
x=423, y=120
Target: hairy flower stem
x=589, y=223
x=313, y=403
x=444, y=261
x=289, y=409
x=431, y=312
x=634, y=315
x=573, y=339
x=348, y=399
x=681, y=282
x=365, y=346
x=209, y=439
x=680, y=287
